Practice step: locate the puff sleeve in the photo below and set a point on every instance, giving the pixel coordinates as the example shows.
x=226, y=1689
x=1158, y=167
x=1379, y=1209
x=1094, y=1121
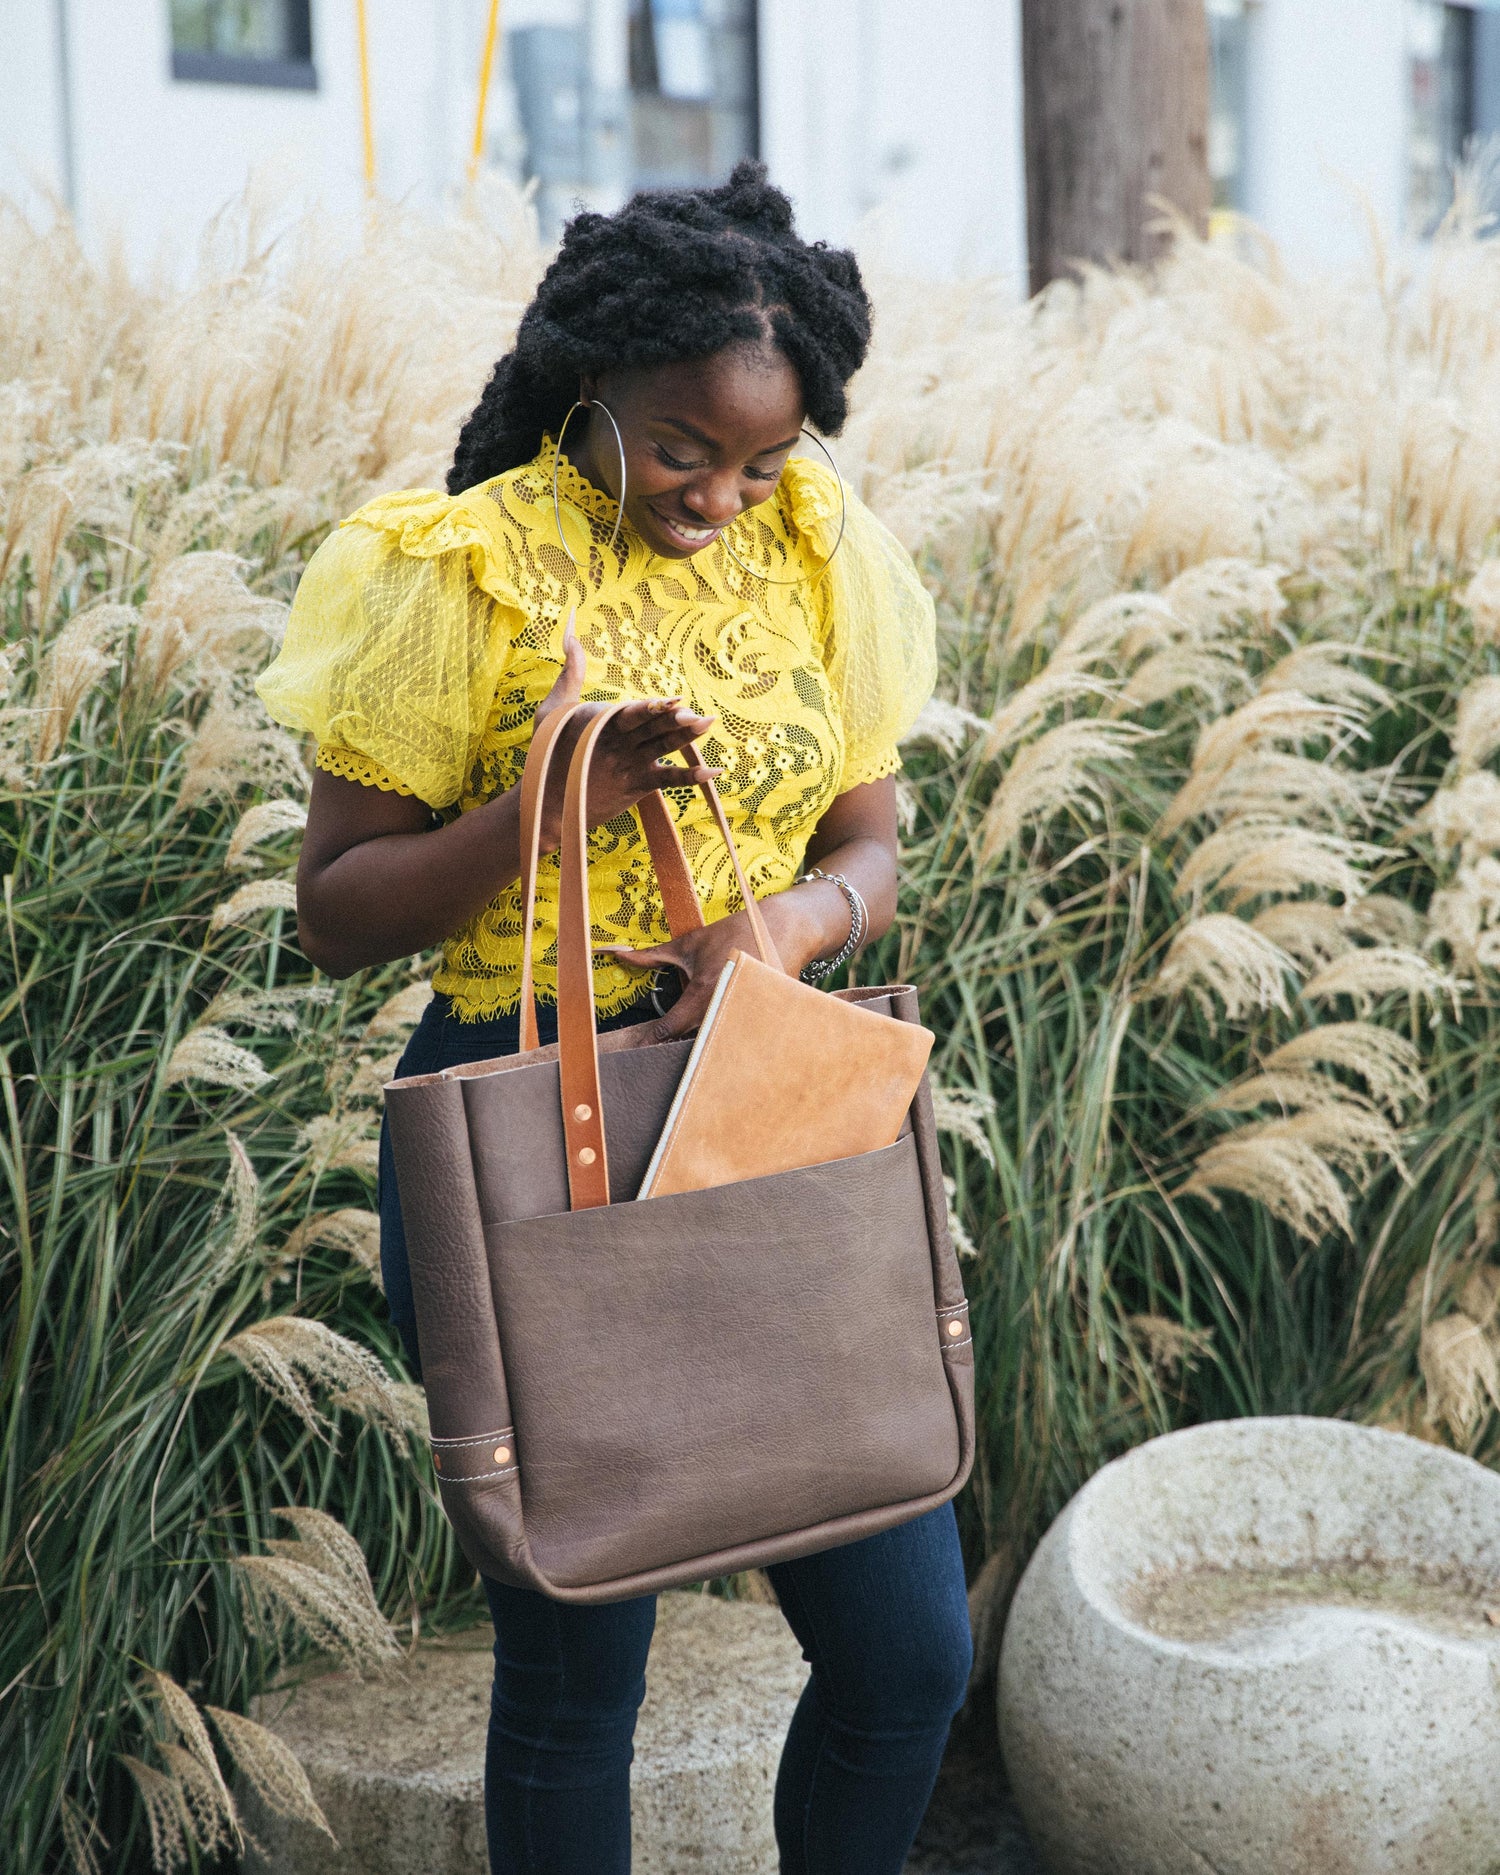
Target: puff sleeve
x=397, y=639
x=880, y=633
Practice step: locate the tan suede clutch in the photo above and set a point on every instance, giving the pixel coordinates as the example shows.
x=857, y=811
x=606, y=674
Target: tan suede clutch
x=783, y=1076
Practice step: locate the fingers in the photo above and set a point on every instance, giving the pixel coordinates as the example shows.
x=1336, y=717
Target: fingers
x=569, y=685
x=653, y=957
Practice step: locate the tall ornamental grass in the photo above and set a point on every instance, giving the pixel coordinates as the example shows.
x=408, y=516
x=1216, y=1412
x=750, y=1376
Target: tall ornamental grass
x=1202, y=890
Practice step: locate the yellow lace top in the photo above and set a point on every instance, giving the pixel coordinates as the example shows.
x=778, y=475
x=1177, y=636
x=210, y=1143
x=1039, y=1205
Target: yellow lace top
x=428, y=627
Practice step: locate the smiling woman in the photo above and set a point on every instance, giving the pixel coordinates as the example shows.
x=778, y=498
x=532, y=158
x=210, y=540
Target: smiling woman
x=625, y=522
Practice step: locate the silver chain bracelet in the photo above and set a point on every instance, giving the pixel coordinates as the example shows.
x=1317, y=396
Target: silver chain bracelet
x=859, y=923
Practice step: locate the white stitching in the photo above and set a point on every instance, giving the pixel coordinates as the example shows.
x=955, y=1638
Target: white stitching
x=481, y=1438
x=956, y=1308
x=476, y=1477
x=950, y=1346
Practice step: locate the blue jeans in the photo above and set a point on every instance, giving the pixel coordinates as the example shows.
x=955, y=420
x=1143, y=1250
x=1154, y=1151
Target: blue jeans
x=883, y=1624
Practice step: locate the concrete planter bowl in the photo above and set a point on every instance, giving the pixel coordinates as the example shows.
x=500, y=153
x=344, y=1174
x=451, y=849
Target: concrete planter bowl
x=1263, y=1647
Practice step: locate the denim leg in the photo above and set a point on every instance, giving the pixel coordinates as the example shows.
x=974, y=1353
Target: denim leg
x=884, y=1624
x=568, y=1684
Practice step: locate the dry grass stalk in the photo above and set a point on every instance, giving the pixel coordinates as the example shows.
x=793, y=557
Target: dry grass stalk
x=236, y=747
x=948, y=726
x=1476, y=735
x=1273, y=785
x=1262, y=726
x=1388, y=1064
x=1460, y=1372
x=1291, y=1166
x=1466, y=915
x=1060, y=770
x=355, y=1232
x=166, y=1814
x=1482, y=597
x=82, y=653
x=266, y=821
x=1386, y=920
x=82, y=1839
x=341, y=1141
x=1321, y=670
x=320, y=1584
x=1221, y=956
x=400, y=1013
x=269, y=1009
x=1252, y=858
x=1466, y=817
x=1307, y=930
x=1171, y=1346
x=963, y=1244
x=1292, y=1093
x=213, y=1821
x=271, y=1768
x=964, y=1112
x=289, y=1355
x=252, y=899
x=1365, y=976
x=1056, y=688
x=207, y=1054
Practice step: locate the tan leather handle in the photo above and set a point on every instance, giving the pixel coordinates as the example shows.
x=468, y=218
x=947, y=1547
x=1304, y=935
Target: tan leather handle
x=668, y=860
x=544, y=738
x=578, y=1053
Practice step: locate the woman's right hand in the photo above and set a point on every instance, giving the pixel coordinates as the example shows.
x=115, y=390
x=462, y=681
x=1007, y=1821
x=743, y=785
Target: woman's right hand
x=628, y=757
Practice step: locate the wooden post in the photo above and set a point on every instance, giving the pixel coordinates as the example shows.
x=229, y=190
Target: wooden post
x=1116, y=109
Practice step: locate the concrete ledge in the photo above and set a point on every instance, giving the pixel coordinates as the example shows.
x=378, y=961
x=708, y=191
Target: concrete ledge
x=398, y=1763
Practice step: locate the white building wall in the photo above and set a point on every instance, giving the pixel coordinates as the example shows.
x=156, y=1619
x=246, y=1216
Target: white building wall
x=912, y=116
x=1326, y=137
x=895, y=126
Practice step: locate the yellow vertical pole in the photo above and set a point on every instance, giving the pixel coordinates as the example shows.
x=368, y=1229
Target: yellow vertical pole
x=486, y=66
x=366, y=116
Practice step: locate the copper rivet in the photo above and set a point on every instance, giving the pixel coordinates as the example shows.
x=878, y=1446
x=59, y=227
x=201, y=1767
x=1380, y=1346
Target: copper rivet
x=955, y=1328
x=582, y=1112
x=586, y=1155
x=502, y=1454
x=437, y=1461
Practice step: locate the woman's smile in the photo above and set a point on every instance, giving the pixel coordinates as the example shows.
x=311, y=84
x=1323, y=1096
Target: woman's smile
x=688, y=536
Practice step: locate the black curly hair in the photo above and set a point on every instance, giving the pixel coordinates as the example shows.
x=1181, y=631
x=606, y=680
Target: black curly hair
x=675, y=274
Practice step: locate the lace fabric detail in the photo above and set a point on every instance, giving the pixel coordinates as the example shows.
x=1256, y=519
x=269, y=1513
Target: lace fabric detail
x=357, y=768
x=428, y=628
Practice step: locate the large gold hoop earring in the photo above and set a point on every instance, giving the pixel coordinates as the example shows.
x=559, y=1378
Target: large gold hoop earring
x=578, y=404
x=810, y=578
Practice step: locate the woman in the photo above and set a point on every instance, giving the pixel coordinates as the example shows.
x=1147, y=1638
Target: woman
x=629, y=465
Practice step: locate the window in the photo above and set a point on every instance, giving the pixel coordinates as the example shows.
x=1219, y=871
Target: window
x=692, y=89
x=675, y=107
x=244, y=42
x=1228, y=108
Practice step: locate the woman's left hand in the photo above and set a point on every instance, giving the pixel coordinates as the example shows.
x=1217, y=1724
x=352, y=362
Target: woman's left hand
x=856, y=836
x=700, y=958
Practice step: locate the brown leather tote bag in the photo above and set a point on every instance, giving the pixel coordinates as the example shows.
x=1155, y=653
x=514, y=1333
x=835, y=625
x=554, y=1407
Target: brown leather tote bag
x=628, y=1397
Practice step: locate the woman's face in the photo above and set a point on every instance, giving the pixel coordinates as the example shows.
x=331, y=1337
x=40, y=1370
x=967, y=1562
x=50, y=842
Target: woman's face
x=704, y=439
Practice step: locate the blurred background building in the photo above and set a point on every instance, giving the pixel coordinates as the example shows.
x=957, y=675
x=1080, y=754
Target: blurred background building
x=146, y=116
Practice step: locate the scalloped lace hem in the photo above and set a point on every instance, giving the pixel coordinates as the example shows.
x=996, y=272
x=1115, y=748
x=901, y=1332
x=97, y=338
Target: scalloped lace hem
x=876, y=769
x=352, y=767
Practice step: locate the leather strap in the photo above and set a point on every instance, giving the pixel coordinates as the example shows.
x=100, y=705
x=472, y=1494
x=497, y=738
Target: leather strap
x=578, y=1055
x=533, y=794
x=669, y=862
